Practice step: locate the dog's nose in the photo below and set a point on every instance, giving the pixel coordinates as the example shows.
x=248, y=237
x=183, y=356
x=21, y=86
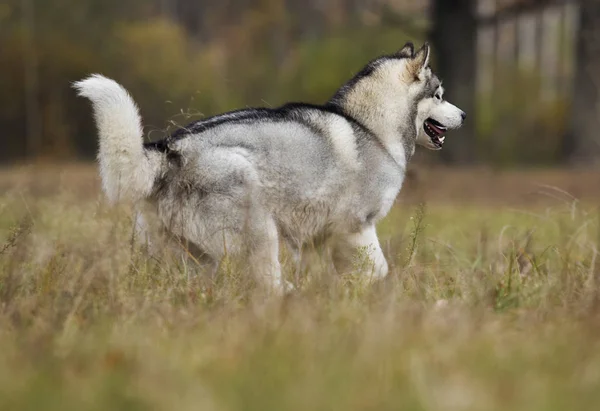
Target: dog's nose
x=463, y=115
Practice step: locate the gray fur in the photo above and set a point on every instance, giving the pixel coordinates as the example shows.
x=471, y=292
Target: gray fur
x=238, y=183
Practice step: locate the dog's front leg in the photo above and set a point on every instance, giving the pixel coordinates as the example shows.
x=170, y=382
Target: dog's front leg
x=360, y=252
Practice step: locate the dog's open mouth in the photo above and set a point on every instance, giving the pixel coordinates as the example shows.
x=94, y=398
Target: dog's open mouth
x=435, y=131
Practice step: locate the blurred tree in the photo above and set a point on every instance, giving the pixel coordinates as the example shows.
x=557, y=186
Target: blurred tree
x=582, y=143
x=43, y=47
x=190, y=13
x=454, y=38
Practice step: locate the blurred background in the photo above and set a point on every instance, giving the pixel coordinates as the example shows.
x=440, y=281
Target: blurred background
x=527, y=72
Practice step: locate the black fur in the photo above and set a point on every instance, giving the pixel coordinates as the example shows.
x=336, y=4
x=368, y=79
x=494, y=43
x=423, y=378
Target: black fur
x=288, y=112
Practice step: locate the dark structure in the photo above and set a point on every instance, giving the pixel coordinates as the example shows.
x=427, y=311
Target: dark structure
x=454, y=36
x=582, y=144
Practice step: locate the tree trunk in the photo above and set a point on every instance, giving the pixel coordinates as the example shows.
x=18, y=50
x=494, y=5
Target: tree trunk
x=582, y=143
x=190, y=14
x=454, y=40
x=32, y=103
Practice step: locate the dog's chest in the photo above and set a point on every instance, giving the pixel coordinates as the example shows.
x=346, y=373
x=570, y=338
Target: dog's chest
x=367, y=202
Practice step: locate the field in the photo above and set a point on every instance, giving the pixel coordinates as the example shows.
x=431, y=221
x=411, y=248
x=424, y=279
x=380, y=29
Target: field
x=493, y=303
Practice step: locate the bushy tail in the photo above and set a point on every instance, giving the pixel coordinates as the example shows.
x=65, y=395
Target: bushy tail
x=126, y=168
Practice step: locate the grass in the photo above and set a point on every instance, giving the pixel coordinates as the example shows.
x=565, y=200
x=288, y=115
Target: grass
x=488, y=307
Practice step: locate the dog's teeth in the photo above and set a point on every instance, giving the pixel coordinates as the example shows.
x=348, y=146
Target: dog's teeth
x=442, y=138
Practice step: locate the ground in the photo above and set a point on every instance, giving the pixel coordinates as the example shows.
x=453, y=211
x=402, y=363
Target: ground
x=492, y=304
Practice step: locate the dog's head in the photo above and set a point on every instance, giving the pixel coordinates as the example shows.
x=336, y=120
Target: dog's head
x=435, y=116
x=399, y=89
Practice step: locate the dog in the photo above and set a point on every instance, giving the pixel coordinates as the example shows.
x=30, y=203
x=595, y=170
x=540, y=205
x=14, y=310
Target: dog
x=241, y=183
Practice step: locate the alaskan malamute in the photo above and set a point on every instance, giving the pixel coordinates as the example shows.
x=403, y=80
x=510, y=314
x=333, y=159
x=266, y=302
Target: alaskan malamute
x=240, y=182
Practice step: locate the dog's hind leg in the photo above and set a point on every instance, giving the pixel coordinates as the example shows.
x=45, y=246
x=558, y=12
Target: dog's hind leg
x=297, y=256
x=263, y=254
x=360, y=252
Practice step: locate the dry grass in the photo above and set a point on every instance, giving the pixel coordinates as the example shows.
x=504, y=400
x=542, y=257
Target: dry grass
x=89, y=321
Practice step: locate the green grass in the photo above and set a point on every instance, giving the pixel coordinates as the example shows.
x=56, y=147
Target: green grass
x=486, y=308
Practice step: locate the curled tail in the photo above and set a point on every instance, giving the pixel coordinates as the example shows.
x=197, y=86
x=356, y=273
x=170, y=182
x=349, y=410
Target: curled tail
x=127, y=170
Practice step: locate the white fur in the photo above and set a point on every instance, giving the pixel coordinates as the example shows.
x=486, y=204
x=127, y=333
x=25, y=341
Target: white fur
x=341, y=136
x=365, y=241
x=126, y=169
x=382, y=104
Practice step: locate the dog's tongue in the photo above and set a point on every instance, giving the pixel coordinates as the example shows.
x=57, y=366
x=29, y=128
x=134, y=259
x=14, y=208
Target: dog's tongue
x=438, y=130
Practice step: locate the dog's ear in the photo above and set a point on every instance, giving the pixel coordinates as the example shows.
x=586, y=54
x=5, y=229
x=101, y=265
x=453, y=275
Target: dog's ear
x=407, y=51
x=420, y=61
